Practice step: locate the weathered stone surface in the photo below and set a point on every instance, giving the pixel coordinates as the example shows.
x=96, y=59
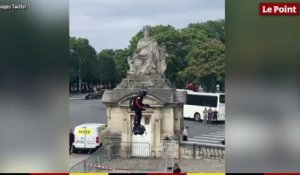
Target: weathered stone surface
x=148, y=58
x=164, y=96
x=148, y=81
x=147, y=68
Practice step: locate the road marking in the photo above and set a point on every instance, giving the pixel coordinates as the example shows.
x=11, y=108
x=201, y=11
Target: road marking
x=207, y=138
x=205, y=141
x=210, y=135
x=71, y=99
x=211, y=138
x=216, y=134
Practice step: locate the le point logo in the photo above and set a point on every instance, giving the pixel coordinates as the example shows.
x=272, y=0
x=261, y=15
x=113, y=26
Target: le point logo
x=279, y=9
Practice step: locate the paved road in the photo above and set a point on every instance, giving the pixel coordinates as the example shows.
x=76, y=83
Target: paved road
x=76, y=158
x=93, y=111
x=214, y=138
x=86, y=111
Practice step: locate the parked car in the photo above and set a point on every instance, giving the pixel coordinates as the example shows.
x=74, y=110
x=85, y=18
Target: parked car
x=94, y=95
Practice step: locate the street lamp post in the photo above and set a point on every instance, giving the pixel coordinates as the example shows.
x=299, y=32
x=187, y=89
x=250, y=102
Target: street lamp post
x=79, y=75
x=79, y=69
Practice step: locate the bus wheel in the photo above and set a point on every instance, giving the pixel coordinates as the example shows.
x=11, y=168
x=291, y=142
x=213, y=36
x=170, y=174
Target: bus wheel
x=197, y=117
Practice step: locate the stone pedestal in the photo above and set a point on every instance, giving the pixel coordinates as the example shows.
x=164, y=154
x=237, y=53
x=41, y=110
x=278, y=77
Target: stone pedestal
x=151, y=81
x=165, y=119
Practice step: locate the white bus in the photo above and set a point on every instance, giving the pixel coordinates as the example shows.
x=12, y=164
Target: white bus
x=197, y=101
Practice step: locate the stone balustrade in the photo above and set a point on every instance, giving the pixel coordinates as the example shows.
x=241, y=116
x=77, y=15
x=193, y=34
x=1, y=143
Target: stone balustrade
x=194, y=150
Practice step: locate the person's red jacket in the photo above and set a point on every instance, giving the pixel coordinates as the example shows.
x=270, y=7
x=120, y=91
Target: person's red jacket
x=138, y=103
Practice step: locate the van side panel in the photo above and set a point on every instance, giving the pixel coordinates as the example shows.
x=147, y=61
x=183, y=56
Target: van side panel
x=79, y=137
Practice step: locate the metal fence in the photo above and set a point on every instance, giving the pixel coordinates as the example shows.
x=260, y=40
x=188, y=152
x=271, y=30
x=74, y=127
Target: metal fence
x=100, y=159
x=129, y=149
x=89, y=164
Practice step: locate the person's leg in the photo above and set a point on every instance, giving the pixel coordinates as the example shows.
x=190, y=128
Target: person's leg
x=70, y=147
x=139, y=117
x=184, y=138
x=136, y=118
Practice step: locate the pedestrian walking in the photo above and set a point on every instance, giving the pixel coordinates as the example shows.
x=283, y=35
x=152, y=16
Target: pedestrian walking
x=215, y=116
x=205, y=113
x=185, y=134
x=210, y=113
x=176, y=168
x=71, y=140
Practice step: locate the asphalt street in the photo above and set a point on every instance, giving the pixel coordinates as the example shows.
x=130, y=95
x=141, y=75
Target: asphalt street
x=93, y=111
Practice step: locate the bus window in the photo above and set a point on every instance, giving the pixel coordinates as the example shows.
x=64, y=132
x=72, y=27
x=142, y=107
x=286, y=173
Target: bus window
x=222, y=99
x=194, y=100
x=202, y=100
x=210, y=101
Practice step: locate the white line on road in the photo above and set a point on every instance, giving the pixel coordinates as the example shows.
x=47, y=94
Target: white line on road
x=205, y=141
x=207, y=138
x=210, y=135
x=70, y=99
x=216, y=134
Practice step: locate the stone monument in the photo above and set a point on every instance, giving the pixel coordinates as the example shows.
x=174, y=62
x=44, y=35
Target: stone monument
x=147, y=67
x=149, y=58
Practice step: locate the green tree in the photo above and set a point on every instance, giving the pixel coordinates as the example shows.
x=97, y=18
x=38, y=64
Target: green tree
x=107, y=67
x=120, y=59
x=195, y=54
x=207, y=64
x=82, y=61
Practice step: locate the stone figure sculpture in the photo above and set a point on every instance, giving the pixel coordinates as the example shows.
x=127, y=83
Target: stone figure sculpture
x=149, y=57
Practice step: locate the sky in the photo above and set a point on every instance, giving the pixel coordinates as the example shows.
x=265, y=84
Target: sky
x=110, y=24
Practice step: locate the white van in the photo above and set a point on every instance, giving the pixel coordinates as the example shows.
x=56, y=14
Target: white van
x=89, y=136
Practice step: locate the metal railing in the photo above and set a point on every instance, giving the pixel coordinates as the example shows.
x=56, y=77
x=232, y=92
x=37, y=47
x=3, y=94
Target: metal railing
x=88, y=164
x=129, y=149
x=112, y=150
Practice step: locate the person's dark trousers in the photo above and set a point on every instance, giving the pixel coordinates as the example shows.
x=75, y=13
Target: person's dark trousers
x=138, y=117
x=209, y=120
x=70, y=147
x=184, y=138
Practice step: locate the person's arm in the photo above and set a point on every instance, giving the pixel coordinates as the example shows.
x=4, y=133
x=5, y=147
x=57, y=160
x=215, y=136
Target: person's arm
x=144, y=105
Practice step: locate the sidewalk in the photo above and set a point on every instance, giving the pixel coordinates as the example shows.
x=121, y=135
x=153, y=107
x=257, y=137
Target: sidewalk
x=76, y=96
x=158, y=165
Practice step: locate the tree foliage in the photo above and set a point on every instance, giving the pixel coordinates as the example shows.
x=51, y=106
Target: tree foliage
x=195, y=54
x=82, y=61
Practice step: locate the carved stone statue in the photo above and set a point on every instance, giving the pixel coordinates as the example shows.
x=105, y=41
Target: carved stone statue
x=148, y=58
x=162, y=61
